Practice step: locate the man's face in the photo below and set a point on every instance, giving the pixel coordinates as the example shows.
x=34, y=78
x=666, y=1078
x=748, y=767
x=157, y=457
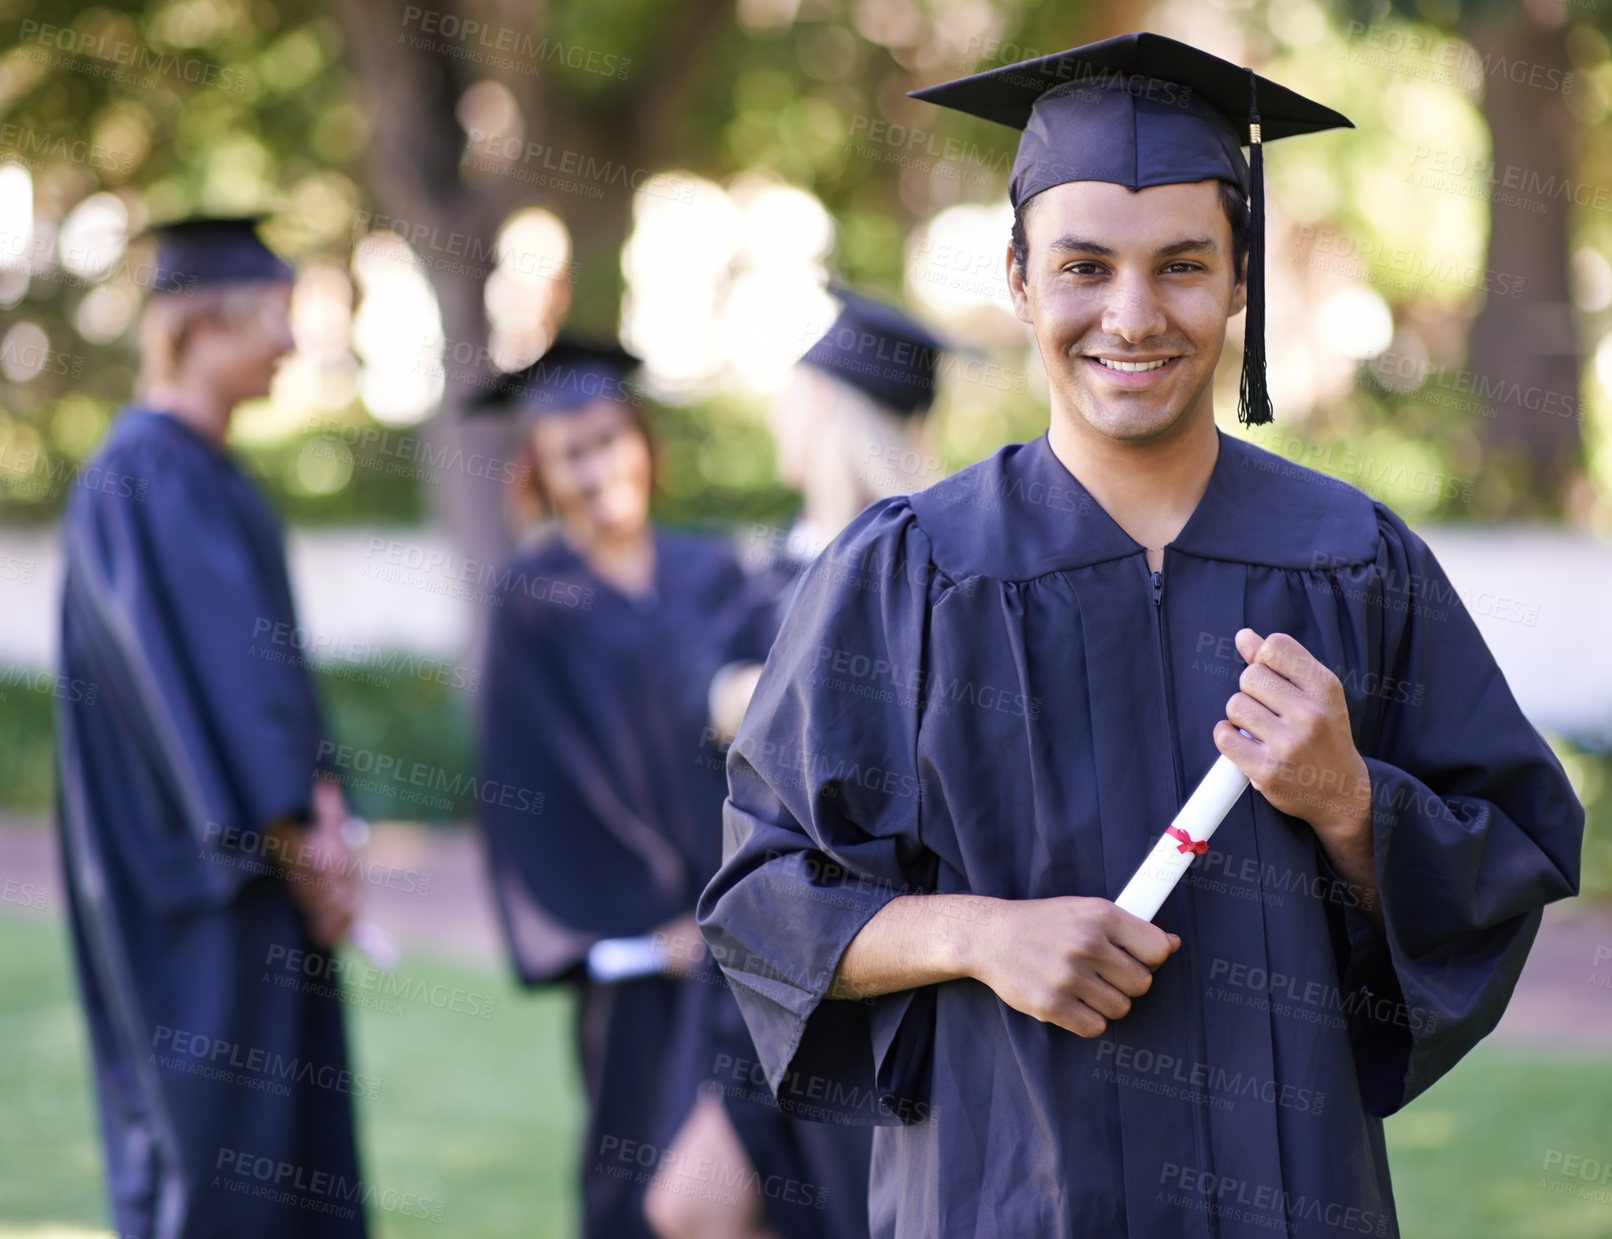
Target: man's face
x=242, y=352
x=1138, y=279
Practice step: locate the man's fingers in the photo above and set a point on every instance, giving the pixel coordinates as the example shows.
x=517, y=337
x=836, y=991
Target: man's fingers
x=1254, y=717
x=1249, y=756
x=1107, y=1000
x=1141, y=941
x=1290, y=660
x=1275, y=692
x=1081, y=1019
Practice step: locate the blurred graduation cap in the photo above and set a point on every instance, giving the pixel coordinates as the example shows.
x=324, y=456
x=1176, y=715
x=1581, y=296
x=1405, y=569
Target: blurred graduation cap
x=212, y=249
x=1141, y=110
x=881, y=351
x=575, y=371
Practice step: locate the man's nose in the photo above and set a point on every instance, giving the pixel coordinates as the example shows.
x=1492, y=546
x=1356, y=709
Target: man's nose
x=1134, y=311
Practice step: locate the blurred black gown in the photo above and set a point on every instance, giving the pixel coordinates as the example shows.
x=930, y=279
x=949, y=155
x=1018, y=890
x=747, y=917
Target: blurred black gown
x=224, y=1096
x=981, y=688
x=602, y=791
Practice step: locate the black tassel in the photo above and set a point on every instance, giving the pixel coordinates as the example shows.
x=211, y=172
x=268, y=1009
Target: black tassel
x=1253, y=400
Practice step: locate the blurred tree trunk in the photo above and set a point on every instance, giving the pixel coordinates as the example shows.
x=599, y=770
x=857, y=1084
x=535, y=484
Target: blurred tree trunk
x=412, y=171
x=1525, y=348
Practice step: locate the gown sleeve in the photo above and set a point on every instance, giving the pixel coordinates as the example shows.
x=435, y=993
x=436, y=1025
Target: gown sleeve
x=177, y=594
x=822, y=829
x=1475, y=828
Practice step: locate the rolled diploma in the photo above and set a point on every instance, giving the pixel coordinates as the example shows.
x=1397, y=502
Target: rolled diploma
x=1205, y=809
x=626, y=959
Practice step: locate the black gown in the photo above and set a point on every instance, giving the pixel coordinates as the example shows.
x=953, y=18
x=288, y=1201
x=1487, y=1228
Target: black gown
x=602, y=790
x=980, y=688
x=225, y=1096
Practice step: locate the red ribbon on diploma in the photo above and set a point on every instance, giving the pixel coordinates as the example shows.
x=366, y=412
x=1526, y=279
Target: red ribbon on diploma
x=1188, y=843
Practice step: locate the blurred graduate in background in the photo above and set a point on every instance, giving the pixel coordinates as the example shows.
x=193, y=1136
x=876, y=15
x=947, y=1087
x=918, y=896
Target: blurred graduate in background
x=850, y=427
x=594, y=720
x=200, y=843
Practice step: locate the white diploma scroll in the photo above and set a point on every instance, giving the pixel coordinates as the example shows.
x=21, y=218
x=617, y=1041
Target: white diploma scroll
x=626, y=959
x=1186, y=838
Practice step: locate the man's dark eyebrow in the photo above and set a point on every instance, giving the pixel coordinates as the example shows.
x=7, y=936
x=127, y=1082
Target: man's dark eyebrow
x=1080, y=245
x=1192, y=245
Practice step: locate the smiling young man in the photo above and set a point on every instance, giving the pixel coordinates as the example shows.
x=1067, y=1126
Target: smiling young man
x=1043, y=655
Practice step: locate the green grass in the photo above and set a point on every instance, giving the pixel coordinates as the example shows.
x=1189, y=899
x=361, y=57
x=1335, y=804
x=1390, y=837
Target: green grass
x=481, y=1114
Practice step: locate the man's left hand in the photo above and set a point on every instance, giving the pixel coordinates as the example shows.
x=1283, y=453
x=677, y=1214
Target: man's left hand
x=1301, y=757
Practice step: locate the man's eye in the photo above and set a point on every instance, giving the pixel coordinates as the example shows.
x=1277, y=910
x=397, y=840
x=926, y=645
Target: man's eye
x=1184, y=266
x=1082, y=268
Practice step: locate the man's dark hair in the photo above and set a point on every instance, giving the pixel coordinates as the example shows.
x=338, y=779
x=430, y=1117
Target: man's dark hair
x=1232, y=203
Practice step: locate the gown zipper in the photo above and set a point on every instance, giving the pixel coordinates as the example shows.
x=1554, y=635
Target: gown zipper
x=1187, y=955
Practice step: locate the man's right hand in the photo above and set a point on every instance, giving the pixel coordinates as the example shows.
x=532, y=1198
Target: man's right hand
x=317, y=866
x=1072, y=961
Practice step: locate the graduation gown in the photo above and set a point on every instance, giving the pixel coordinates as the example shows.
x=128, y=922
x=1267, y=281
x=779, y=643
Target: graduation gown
x=981, y=688
x=185, y=730
x=601, y=796
x=602, y=790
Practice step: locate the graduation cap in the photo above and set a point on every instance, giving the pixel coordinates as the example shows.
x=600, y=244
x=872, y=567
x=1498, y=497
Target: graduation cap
x=1140, y=110
x=881, y=351
x=213, y=250
x=575, y=371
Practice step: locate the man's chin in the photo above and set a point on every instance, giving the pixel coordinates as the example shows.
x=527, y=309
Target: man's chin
x=1130, y=422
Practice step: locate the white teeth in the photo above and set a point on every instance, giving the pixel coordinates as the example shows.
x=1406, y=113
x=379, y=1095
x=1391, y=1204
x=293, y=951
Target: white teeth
x=1131, y=367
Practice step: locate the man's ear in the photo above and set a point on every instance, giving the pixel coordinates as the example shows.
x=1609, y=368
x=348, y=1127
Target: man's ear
x=1239, y=292
x=1016, y=290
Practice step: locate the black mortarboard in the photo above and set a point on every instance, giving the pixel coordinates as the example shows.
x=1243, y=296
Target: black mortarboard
x=881, y=351
x=1140, y=110
x=213, y=250
x=575, y=371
